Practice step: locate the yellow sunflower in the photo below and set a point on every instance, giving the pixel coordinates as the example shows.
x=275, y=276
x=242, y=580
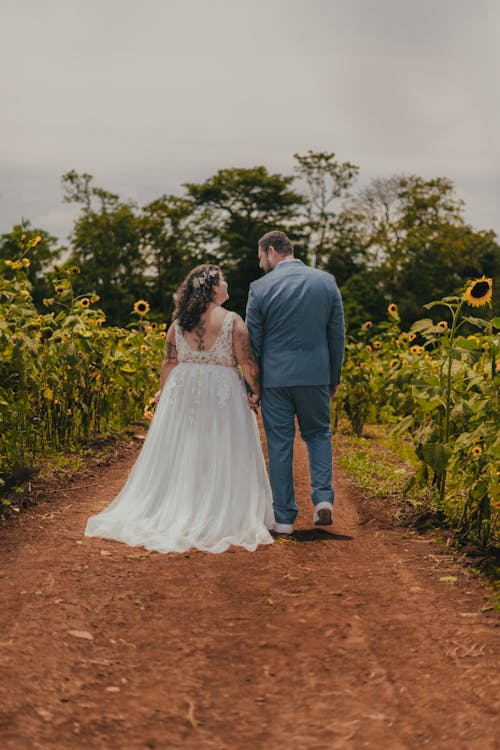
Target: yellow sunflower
x=85, y=302
x=412, y=336
x=377, y=345
x=416, y=349
x=368, y=348
x=392, y=310
x=366, y=326
x=476, y=451
x=443, y=325
x=479, y=292
x=141, y=307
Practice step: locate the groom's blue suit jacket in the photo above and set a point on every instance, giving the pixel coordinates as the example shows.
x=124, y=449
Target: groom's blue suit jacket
x=296, y=323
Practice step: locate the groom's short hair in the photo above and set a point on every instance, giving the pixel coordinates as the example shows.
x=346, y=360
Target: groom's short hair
x=278, y=240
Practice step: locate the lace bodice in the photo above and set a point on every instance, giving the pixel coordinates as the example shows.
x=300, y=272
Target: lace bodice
x=220, y=353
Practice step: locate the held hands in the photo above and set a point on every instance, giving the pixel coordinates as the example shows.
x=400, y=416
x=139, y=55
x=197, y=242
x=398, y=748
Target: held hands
x=157, y=396
x=253, y=402
x=333, y=390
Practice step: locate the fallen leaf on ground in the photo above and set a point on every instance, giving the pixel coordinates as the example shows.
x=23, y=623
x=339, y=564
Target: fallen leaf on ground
x=81, y=634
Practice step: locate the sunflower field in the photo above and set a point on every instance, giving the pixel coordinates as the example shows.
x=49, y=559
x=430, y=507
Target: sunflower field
x=65, y=378
x=437, y=385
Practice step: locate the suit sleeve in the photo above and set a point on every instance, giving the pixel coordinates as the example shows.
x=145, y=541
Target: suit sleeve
x=336, y=335
x=255, y=324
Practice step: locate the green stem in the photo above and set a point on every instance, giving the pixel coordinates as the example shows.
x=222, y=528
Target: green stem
x=446, y=433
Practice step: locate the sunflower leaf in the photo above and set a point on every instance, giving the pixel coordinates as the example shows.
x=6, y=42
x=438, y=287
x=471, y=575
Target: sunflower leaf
x=479, y=322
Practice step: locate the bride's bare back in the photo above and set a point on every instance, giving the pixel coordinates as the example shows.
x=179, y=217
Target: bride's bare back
x=205, y=334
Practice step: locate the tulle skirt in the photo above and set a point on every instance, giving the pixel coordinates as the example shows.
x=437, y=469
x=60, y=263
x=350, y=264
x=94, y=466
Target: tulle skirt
x=200, y=479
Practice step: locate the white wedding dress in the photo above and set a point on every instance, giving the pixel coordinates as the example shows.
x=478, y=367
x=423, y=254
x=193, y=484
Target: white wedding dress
x=200, y=479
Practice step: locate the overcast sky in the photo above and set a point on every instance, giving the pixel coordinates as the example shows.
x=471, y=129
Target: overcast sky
x=148, y=94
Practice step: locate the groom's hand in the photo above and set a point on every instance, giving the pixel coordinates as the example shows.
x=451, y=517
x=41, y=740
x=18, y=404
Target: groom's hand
x=253, y=402
x=333, y=390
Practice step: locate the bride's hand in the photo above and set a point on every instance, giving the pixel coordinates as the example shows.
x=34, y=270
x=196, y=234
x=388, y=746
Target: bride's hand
x=157, y=396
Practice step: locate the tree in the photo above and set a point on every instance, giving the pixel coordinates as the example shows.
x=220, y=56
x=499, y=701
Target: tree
x=170, y=247
x=328, y=182
x=107, y=247
x=418, y=245
x=240, y=206
x=42, y=254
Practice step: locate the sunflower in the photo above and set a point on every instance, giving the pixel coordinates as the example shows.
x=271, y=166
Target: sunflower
x=162, y=335
x=392, y=309
x=377, y=345
x=416, y=349
x=368, y=348
x=85, y=302
x=130, y=391
x=479, y=292
x=476, y=451
x=443, y=325
x=366, y=326
x=154, y=326
x=412, y=336
x=141, y=307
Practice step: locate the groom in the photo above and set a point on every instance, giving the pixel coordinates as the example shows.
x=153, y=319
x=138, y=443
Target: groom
x=296, y=323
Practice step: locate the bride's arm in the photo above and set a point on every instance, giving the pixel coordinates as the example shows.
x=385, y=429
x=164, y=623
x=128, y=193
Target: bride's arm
x=245, y=357
x=169, y=361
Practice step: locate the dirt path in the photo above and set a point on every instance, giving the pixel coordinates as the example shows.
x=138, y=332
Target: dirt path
x=359, y=638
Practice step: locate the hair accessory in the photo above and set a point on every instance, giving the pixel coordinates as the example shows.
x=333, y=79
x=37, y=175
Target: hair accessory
x=209, y=274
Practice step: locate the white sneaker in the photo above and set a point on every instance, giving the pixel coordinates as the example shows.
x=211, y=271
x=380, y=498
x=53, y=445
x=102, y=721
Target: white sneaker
x=323, y=514
x=283, y=528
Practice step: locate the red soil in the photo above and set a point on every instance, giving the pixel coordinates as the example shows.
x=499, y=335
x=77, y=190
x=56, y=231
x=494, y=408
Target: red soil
x=361, y=636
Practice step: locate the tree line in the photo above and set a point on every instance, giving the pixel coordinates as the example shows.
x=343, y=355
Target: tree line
x=401, y=239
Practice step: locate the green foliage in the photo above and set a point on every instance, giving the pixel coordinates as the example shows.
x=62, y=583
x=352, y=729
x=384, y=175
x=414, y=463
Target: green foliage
x=37, y=246
x=240, y=205
x=443, y=392
x=416, y=245
x=64, y=377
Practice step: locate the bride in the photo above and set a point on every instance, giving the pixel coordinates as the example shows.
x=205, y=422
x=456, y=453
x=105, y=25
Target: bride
x=200, y=479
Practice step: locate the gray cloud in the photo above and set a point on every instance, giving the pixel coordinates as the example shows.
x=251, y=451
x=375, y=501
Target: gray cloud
x=149, y=95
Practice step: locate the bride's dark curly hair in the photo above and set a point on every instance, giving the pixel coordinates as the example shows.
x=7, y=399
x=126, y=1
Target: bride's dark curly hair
x=195, y=294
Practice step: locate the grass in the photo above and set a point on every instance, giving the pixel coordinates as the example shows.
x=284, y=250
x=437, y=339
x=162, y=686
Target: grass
x=381, y=467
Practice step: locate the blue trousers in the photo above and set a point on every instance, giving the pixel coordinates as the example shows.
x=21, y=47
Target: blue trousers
x=311, y=404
